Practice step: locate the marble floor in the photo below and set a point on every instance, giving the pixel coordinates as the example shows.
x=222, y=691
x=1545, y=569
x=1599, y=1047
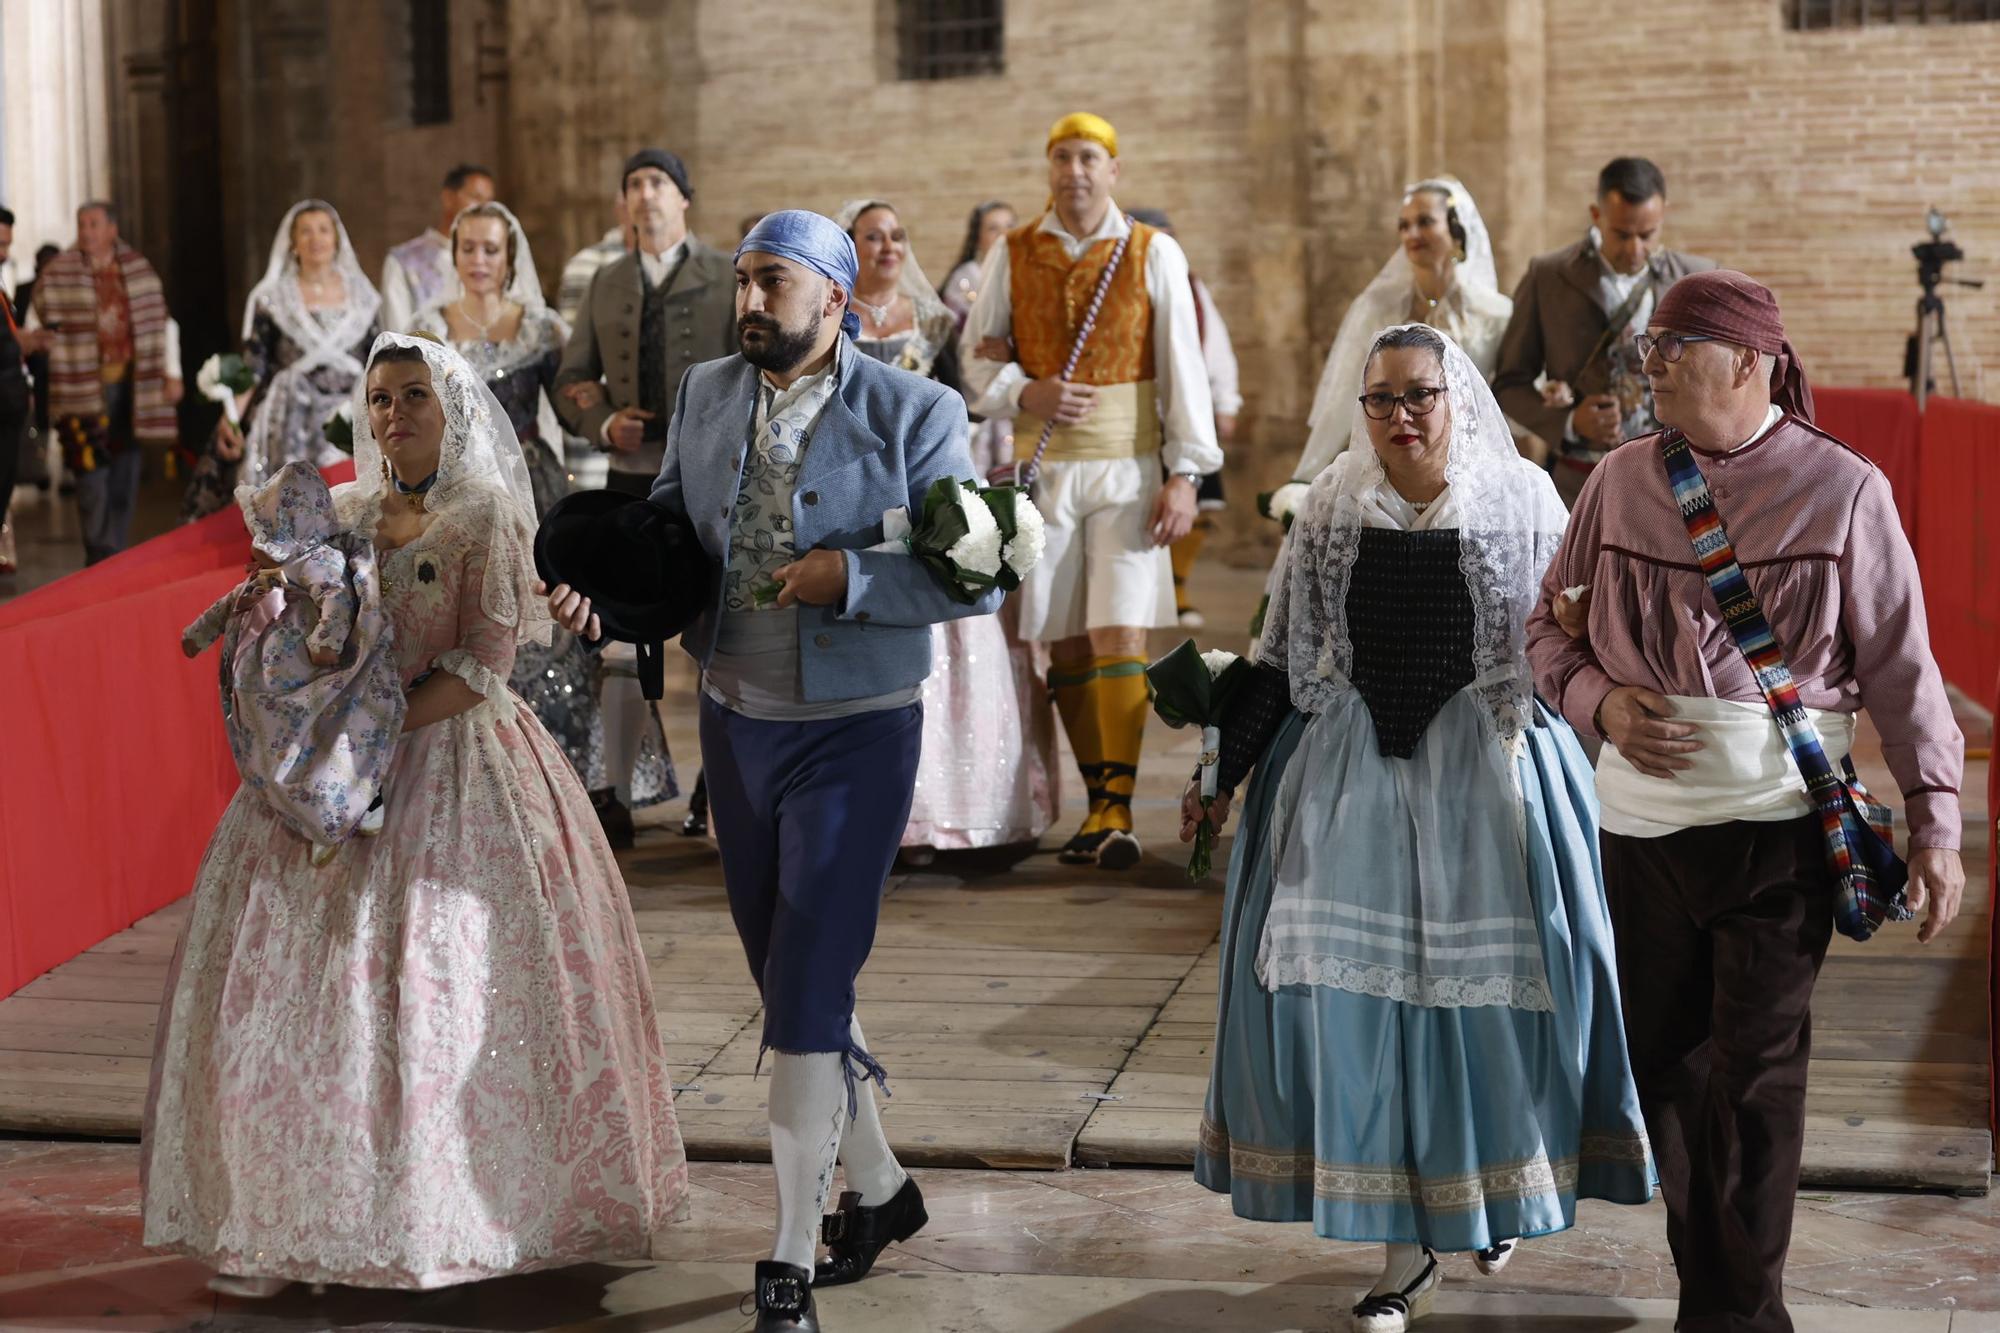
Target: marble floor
x=1007, y=1252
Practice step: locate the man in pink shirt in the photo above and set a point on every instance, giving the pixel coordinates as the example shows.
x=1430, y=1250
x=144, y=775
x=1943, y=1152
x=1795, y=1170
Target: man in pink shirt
x=1715, y=866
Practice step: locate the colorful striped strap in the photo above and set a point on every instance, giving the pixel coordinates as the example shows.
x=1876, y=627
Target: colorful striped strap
x=1864, y=900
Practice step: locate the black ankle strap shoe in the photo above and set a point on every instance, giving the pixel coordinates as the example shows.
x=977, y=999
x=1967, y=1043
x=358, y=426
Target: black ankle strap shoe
x=855, y=1235
x=784, y=1299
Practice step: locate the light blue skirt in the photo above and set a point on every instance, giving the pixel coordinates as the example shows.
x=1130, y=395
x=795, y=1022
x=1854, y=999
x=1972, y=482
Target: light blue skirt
x=1453, y=1128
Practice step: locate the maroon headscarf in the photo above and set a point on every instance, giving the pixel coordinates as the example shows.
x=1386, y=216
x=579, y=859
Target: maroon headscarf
x=1735, y=307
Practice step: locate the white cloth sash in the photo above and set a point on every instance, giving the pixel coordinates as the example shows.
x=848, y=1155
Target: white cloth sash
x=1744, y=770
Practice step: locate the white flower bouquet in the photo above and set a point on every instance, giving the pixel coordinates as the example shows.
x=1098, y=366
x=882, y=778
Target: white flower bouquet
x=221, y=378
x=976, y=539
x=1193, y=688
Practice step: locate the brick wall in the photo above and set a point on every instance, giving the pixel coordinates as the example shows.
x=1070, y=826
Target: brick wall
x=806, y=122
x=1806, y=159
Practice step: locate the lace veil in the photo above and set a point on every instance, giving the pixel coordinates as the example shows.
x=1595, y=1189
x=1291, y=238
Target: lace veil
x=1387, y=300
x=524, y=288
x=935, y=323
x=1511, y=523
x=523, y=285
x=482, y=480
x=277, y=294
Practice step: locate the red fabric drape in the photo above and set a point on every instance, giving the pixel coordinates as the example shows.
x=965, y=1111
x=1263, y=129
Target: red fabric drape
x=116, y=766
x=1958, y=499
x=116, y=770
x=1884, y=426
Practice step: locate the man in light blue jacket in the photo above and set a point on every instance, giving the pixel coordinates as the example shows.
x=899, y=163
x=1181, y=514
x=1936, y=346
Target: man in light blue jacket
x=785, y=459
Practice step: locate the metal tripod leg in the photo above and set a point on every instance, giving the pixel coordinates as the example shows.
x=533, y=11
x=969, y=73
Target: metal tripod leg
x=1950, y=362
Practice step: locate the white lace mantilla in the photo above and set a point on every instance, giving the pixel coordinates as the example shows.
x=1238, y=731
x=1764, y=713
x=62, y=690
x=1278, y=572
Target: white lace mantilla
x=1510, y=523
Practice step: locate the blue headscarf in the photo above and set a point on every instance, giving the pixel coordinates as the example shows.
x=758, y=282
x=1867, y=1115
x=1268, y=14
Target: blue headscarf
x=814, y=241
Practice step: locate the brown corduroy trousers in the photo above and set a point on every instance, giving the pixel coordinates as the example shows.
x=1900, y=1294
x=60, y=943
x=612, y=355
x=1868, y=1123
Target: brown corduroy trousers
x=1721, y=931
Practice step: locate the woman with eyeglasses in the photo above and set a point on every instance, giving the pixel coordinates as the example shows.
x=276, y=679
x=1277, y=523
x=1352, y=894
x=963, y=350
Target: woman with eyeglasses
x=1418, y=1036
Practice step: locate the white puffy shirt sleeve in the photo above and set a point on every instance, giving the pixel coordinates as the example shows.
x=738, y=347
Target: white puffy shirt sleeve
x=1219, y=354
x=1180, y=374
x=398, y=302
x=993, y=388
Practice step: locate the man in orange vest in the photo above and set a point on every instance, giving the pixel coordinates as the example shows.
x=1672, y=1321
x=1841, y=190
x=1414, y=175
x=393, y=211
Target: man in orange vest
x=1120, y=388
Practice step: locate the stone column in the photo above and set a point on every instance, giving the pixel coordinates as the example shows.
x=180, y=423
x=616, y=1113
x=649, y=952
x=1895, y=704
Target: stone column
x=591, y=85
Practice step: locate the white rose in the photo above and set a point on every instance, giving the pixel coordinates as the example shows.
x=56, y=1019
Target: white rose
x=1285, y=501
x=979, y=549
x=1030, y=536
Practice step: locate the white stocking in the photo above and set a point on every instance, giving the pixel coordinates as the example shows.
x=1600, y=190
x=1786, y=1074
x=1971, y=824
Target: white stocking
x=871, y=1167
x=808, y=1108
x=627, y=716
x=1402, y=1265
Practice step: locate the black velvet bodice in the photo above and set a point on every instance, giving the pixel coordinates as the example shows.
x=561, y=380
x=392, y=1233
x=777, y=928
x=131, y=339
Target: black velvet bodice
x=1410, y=618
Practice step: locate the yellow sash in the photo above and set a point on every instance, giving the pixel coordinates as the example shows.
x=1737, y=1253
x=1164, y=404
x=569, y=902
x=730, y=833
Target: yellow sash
x=1124, y=424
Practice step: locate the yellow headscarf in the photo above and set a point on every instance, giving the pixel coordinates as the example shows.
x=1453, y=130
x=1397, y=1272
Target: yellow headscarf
x=1083, y=125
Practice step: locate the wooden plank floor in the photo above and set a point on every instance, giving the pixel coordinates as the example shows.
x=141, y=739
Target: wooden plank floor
x=1033, y=1015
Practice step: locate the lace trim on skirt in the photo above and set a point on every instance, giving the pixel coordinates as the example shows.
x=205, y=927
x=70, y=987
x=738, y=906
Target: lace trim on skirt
x=1388, y=983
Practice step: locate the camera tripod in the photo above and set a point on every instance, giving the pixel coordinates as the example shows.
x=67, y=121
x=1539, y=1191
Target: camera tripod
x=1932, y=327
x=1932, y=332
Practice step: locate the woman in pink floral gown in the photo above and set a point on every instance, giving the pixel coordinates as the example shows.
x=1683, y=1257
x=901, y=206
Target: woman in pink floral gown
x=435, y=1058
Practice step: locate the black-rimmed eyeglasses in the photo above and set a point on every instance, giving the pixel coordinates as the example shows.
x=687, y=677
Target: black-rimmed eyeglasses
x=1418, y=400
x=1668, y=345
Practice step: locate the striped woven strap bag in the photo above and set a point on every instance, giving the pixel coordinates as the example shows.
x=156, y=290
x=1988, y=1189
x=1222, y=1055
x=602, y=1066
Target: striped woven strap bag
x=1860, y=851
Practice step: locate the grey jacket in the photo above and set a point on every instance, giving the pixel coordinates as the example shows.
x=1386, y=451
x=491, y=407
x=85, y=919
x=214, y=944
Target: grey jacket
x=604, y=345
x=881, y=441
x=1557, y=321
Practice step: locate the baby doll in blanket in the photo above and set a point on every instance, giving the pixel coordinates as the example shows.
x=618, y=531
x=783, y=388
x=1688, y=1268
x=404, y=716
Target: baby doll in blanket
x=310, y=694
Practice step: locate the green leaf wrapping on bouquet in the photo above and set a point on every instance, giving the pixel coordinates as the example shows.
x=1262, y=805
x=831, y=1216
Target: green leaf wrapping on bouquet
x=233, y=371
x=938, y=529
x=339, y=431
x=1186, y=693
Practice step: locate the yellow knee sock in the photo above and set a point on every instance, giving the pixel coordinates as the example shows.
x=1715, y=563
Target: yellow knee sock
x=1073, y=685
x=1183, y=553
x=1120, y=702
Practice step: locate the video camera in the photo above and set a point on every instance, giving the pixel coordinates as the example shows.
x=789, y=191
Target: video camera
x=1934, y=254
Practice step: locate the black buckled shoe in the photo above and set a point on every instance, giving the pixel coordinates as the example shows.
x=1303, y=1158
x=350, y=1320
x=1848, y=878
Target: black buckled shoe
x=785, y=1299
x=854, y=1235
x=614, y=818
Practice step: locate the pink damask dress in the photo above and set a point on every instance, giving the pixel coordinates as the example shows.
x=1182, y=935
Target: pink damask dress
x=435, y=1058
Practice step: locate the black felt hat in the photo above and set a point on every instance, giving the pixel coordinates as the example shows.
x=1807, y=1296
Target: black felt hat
x=643, y=569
